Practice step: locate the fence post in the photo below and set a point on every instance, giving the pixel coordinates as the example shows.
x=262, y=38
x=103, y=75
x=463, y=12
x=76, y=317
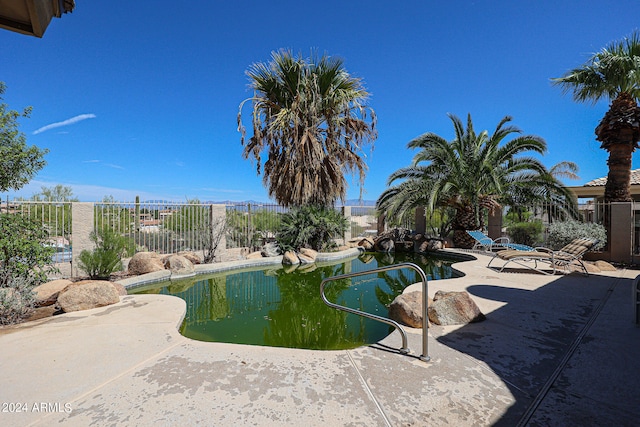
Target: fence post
x=82, y=221
x=219, y=212
x=346, y=212
x=495, y=224
x=621, y=232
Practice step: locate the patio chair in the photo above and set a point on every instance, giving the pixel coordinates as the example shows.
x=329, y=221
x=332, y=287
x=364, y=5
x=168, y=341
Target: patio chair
x=484, y=242
x=570, y=254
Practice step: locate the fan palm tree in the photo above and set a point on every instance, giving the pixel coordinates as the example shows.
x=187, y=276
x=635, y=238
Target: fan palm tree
x=469, y=173
x=310, y=119
x=612, y=73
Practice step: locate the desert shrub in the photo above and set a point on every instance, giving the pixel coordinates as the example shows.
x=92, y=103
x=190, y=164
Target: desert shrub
x=562, y=233
x=311, y=227
x=527, y=233
x=16, y=300
x=23, y=250
x=107, y=255
x=25, y=260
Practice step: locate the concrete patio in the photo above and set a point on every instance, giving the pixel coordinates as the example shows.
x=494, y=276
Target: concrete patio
x=554, y=351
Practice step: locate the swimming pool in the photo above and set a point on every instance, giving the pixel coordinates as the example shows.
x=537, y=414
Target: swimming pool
x=281, y=306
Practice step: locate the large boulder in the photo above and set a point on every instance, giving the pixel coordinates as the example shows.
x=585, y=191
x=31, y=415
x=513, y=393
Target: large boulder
x=42, y=312
x=254, y=255
x=591, y=268
x=403, y=246
x=145, y=262
x=270, y=249
x=604, y=266
x=87, y=294
x=313, y=254
x=122, y=291
x=407, y=309
x=366, y=243
x=179, y=265
x=429, y=244
x=307, y=256
x=454, y=308
x=353, y=242
x=191, y=256
x=290, y=258
x=384, y=244
x=47, y=293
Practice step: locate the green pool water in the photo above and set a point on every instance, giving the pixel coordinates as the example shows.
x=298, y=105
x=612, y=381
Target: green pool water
x=281, y=307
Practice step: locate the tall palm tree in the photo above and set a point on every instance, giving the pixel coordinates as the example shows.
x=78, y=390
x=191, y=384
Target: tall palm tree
x=612, y=73
x=310, y=119
x=468, y=173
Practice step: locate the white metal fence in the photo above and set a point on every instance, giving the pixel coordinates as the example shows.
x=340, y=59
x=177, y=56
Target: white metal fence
x=170, y=227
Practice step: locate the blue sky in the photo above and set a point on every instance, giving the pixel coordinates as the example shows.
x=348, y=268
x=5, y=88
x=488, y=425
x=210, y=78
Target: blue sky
x=141, y=98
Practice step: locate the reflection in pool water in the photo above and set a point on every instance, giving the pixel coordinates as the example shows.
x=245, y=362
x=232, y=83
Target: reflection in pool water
x=281, y=307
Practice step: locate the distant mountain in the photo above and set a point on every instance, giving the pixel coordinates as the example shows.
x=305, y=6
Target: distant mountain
x=349, y=202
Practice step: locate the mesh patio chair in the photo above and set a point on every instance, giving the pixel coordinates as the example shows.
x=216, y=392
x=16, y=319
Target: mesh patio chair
x=570, y=254
x=484, y=242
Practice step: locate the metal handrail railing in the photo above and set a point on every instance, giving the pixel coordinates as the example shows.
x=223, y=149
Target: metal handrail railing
x=425, y=320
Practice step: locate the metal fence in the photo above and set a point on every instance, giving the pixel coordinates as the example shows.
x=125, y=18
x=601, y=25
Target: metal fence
x=252, y=225
x=170, y=227
x=156, y=226
x=55, y=217
x=364, y=221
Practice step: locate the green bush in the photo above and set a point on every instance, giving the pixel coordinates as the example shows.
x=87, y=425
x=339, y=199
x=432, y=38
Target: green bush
x=25, y=260
x=311, y=227
x=526, y=233
x=562, y=233
x=107, y=256
x=16, y=300
x=24, y=251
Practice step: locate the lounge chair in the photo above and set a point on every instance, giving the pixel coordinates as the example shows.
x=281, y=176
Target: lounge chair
x=484, y=242
x=570, y=254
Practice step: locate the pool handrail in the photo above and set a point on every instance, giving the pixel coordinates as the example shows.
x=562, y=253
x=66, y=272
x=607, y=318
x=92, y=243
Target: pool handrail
x=425, y=320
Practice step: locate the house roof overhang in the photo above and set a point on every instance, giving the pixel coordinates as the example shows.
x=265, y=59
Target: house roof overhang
x=597, y=191
x=32, y=17
x=595, y=188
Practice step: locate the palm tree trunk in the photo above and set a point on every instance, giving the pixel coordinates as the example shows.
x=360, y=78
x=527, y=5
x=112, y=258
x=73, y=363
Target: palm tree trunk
x=464, y=220
x=619, y=132
x=618, y=186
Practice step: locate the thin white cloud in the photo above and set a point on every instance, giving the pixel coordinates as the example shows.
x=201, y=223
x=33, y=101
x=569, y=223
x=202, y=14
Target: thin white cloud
x=67, y=122
x=111, y=165
x=91, y=161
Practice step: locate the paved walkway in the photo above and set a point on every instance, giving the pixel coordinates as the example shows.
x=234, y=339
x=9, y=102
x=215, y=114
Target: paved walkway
x=554, y=351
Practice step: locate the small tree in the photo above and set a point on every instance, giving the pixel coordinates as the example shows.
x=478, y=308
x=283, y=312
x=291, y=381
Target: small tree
x=25, y=260
x=24, y=251
x=106, y=258
x=18, y=163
